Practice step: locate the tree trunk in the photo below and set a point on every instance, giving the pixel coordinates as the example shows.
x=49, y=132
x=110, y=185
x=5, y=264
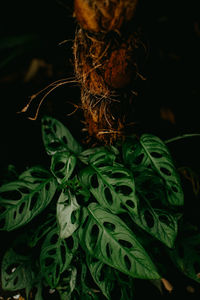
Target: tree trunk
x=106, y=51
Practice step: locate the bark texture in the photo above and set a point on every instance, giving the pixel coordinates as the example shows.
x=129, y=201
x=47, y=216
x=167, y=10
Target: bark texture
x=106, y=49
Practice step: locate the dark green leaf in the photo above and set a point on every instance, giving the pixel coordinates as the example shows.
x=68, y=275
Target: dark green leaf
x=102, y=274
x=87, y=289
x=124, y=286
x=150, y=185
x=106, y=237
x=62, y=166
x=68, y=211
x=99, y=156
x=112, y=186
x=16, y=271
x=36, y=291
x=57, y=138
x=152, y=216
x=151, y=152
x=159, y=223
x=35, y=175
x=24, y=199
x=186, y=256
x=86, y=155
x=67, y=283
x=56, y=255
x=41, y=230
x=112, y=283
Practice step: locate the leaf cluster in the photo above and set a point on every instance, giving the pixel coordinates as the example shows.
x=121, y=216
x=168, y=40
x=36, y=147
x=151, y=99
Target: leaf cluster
x=94, y=222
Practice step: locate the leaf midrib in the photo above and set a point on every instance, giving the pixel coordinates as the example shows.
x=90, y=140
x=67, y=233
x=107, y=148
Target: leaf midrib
x=116, y=242
x=38, y=188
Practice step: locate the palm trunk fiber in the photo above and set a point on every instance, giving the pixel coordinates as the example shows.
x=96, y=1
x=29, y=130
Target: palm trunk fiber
x=106, y=49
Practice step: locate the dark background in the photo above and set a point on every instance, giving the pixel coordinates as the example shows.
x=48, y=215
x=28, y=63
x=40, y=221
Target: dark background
x=172, y=34
x=45, y=24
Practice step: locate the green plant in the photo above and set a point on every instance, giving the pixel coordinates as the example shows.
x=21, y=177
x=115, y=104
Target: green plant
x=96, y=220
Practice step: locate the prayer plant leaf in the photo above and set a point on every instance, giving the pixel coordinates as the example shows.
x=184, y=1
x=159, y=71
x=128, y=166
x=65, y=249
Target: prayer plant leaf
x=112, y=283
x=112, y=186
x=62, y=166
x=16, y=271
x=186, y=256
x=151, y=152
x=57, y=138
x=107, y=238
x=68, y=212
x=56, y=255
x=25, y=198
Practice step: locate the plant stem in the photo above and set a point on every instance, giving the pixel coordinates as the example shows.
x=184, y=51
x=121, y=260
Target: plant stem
x=180, y=137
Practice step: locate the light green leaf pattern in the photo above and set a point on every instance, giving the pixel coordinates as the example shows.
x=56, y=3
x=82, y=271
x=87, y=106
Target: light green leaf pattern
x=57, y=138
x=68, y=212
x=104, y=236
x=24, y=199
x=112, y=186
x=62, y=166
x=151, y=152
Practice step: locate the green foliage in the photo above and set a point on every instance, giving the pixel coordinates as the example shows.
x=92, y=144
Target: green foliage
x=112, y=186
x=104, y=236
x=67, y=283
x=109, y=280
x=16, y=271
x=151, y=152
x=57, y=137
x=94, y=221
x=68, y=214
x=56, y=255
x=19, y=270
x=186, y=254
x=62, y=166
x=25, y=198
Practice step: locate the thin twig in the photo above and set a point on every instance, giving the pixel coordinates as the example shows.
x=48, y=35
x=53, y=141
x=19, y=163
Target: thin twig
x=41, y=101
x=73, y=112
x=109, y=132
x=52, y=87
